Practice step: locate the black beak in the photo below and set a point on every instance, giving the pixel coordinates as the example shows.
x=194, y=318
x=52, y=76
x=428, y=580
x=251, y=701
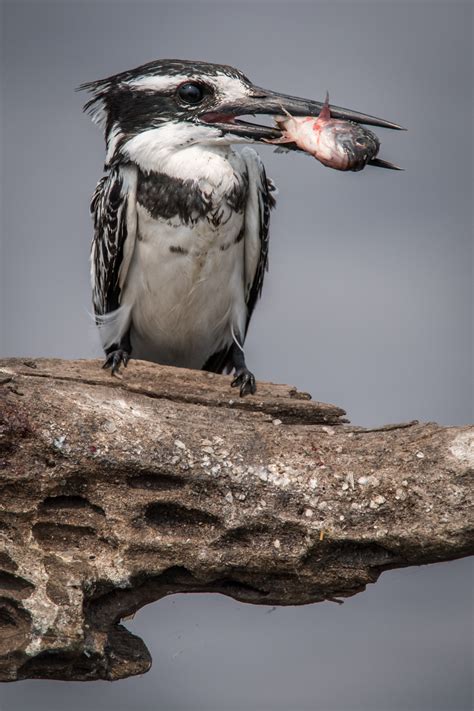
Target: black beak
x=271, y=102
x=261, y=101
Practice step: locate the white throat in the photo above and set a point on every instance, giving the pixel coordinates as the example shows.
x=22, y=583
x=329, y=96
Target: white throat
x=184, y=151
x=153, y=149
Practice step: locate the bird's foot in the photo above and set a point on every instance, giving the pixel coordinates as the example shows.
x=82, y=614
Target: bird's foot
x=245, y=380
x=115, y=359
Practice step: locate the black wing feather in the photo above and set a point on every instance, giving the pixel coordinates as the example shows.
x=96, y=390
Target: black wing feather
x=266, y=202
x=109, y=211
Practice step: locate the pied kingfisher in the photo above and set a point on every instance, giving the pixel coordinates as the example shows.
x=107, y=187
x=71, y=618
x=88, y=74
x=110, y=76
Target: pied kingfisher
x=181, y=219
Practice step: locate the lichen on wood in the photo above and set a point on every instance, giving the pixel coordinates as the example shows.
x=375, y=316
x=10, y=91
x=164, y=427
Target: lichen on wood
x=115, y=492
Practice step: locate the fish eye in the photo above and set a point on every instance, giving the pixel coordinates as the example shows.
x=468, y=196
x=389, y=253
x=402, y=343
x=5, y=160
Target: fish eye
x=191, y=92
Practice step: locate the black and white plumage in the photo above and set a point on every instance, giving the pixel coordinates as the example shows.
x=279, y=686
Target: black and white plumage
x=181, y=219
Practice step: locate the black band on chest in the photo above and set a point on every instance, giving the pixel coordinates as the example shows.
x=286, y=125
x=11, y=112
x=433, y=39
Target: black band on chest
x=165, y=197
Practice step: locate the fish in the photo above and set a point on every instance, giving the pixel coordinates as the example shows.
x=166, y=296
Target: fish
x=338, y=144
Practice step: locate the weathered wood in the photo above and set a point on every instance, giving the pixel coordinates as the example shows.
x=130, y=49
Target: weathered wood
x=116, y=492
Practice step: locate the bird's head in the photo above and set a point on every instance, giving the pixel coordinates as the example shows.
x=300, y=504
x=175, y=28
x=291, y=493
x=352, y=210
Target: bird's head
x=170, y=104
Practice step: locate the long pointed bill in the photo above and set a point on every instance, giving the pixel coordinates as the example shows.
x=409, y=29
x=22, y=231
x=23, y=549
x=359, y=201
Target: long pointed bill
x=272, y=102
x=263, y=102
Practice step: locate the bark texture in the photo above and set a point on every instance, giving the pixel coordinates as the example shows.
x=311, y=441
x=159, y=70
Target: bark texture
x=116, y=492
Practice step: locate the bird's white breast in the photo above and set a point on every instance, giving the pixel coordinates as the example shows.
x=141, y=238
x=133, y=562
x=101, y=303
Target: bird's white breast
x=185, y=285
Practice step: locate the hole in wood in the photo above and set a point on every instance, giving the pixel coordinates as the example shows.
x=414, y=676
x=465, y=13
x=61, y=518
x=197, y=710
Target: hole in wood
x=15, y=585
x=55, y=503
x=59, y=536
x=171, y=516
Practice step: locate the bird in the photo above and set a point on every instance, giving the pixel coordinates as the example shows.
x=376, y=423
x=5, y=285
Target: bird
x=181, y=218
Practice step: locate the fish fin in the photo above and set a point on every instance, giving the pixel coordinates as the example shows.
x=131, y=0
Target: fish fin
x=325, y=112
x=280, y=122
x=285, y=112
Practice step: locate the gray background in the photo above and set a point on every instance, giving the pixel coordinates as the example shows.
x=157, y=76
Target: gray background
x=368, y=304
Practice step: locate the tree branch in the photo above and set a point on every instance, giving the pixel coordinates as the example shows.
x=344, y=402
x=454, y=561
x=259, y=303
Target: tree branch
x=116, y=492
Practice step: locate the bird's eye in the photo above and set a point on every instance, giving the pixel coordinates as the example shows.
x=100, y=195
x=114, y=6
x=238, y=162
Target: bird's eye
x=191, y=93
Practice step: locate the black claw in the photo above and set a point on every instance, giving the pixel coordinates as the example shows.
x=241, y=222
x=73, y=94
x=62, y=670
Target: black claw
x=246, y=380
x=115, y=359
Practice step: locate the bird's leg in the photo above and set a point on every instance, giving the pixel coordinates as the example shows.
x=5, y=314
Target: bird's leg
x=243, y=377
x=118, y=354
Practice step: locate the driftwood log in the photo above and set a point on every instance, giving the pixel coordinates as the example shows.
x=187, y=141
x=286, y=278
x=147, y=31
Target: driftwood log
x=116, y=492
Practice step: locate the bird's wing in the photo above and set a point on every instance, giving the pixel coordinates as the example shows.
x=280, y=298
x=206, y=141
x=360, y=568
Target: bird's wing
x=113, y=208
x=260, y=200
